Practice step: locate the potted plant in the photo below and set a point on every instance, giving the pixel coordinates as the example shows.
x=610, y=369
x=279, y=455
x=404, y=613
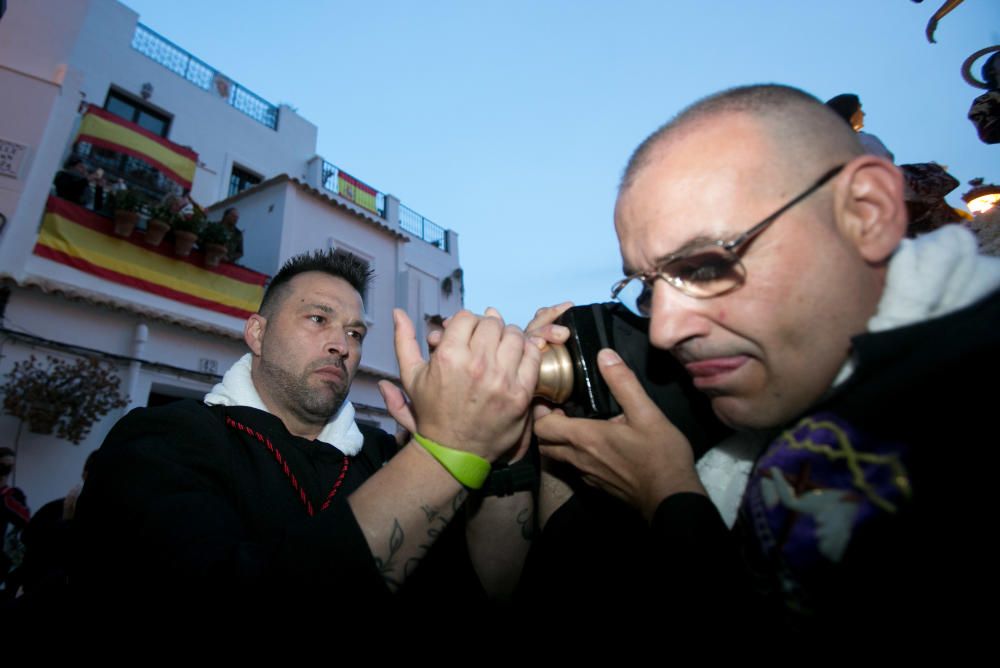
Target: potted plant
x=62, y=396
x=161, y=220
x=186, y=231
x=447, y=285
x=127, y=207
x=214, y=240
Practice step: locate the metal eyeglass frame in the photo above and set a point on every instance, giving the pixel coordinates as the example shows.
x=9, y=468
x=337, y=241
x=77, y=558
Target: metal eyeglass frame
x=730, y=247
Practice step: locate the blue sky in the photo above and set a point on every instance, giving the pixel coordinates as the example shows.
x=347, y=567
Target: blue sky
x=510, y=122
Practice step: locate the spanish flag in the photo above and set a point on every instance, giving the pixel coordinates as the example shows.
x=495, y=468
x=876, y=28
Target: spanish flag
x=84, y=240
x=358, y=192
x=104, y=129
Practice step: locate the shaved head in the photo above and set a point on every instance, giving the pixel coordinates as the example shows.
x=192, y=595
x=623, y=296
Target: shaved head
x=800, y=128
x=810, y=280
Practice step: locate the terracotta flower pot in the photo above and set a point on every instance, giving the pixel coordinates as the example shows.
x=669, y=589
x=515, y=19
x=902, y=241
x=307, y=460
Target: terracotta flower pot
x=213, y=254
x=184, y=242
x=42, y=419
x=125, y=222
x=156, y=229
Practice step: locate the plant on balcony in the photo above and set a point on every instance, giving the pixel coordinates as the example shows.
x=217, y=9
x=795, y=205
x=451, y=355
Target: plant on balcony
x=214, y=239
x=447, y=285
x=161, y=220
x=127, y=207
x=186, y=231
x=62, y=396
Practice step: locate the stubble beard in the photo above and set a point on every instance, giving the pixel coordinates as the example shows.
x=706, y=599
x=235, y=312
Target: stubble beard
x=310, y=405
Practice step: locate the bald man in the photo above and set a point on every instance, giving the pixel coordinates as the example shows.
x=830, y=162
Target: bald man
x=766, y=248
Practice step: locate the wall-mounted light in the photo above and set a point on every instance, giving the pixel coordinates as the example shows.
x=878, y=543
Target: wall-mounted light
x=146, y=91
x=981, y=198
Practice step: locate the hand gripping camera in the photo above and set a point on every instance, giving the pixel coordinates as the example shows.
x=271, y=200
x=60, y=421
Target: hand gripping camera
x=570, y=378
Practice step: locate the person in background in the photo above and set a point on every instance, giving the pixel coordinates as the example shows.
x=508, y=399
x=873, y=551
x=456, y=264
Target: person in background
x=234, y=242
x=848, y=107
x=75, y=183
x=47, y=542
x=14, y=516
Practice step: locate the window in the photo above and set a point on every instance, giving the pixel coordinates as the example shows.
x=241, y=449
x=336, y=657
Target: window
x=367, y=264
x=241, y=179
x=138, y=173
x=132, y=110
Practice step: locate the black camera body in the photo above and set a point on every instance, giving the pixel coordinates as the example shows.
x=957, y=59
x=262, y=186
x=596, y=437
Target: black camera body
x=611, y=325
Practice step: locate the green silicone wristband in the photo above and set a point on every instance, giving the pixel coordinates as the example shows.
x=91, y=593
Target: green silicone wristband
x=469, y=469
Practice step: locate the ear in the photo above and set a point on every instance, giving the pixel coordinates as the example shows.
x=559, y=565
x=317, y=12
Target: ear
x=871, y=210
x=253, y=332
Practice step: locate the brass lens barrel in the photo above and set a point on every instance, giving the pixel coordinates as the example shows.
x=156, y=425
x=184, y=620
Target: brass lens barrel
x=555, y=376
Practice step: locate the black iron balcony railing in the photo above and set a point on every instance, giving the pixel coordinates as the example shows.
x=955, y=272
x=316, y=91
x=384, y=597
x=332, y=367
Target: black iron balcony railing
x=338, y=181
x=414, y=223
x=177, y=60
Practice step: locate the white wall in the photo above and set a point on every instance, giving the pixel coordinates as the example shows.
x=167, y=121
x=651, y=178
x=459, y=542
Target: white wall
x=37, y=110
x=48, y=466
x=263, y=221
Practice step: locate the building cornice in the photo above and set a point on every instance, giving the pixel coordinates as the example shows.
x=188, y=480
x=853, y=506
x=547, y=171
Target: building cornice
x=334, y=199
x=82, y=295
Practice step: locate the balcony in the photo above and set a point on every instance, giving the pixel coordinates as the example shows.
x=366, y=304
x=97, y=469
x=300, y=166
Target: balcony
x=337, y=181
x=177, y=60
x=331, y=178
x=77, y=237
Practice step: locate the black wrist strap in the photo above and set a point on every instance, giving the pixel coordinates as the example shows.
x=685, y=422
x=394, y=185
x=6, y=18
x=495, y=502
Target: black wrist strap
x=518, y=477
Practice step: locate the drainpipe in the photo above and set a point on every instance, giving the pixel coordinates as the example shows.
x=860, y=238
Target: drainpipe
x=138, y=347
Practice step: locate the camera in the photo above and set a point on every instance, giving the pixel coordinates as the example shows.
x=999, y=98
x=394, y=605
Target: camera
x=569, y=376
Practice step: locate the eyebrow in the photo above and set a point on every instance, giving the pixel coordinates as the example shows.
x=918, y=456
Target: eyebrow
x=319, y=307
x=329, y=310
x=694, y=242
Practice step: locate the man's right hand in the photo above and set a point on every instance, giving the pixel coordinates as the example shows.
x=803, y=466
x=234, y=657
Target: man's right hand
x=475, y=391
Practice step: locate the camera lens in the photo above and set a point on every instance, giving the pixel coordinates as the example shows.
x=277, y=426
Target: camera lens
x=555, y=375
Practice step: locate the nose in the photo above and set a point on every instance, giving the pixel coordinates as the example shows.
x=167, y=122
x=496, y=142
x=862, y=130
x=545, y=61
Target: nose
x=675, y=317
x=337, y=343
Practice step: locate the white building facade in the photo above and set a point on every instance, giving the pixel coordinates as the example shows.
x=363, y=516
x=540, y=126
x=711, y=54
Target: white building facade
x=57, y=57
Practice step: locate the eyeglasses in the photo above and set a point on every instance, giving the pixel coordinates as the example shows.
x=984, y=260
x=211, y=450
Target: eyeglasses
x=707, y=270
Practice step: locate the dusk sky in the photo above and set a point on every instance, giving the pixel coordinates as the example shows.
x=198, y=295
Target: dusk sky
x=510, y=122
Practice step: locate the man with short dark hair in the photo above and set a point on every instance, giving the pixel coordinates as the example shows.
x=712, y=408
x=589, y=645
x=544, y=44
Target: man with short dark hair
x=271, y=492
x=765, y=247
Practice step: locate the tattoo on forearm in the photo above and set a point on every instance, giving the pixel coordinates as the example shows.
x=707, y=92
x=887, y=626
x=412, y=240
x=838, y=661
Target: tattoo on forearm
x=388, y=565
x=437, y=520
x=430, y=512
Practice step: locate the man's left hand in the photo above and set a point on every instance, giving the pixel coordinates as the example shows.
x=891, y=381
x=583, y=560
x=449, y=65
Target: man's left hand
x=639, y=456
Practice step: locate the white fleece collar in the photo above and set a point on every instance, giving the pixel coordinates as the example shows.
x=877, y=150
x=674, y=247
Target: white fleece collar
x=237, y=389
x=931, y=276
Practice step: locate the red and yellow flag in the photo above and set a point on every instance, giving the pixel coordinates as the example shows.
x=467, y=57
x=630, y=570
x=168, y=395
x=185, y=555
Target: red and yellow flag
x=102, y=128
x=84, y=240
x=356, y=191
